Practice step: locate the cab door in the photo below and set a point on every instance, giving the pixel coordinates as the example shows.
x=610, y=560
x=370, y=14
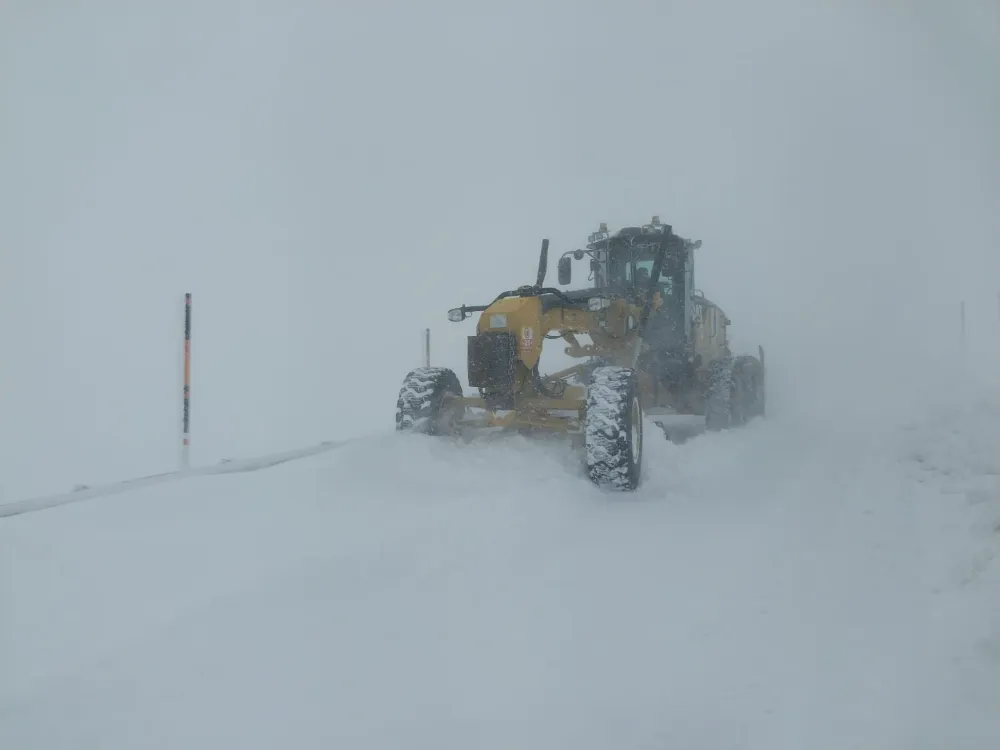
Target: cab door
x=710, y=331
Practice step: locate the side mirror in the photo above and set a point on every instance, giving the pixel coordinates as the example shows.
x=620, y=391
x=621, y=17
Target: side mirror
x=565, y=270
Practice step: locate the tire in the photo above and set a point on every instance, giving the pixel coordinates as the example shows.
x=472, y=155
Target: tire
x=750, y=373
x=719, y=392
x=422, y=406
x=734, y=394
x=613, y=436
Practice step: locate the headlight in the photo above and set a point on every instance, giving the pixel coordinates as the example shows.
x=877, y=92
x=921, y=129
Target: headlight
x=456, y=315
x=498, y=320
x=595, y=304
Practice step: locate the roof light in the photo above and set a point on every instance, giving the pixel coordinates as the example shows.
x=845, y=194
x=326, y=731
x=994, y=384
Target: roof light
x=600, y=234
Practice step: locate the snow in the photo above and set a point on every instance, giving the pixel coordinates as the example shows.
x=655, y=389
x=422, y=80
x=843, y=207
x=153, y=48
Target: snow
x=328, y=179
x=226, y=466
x=769, y=587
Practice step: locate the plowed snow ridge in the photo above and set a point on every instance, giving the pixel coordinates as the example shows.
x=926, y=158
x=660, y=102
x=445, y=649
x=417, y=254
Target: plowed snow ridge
x=45, y=502
x=781, y=586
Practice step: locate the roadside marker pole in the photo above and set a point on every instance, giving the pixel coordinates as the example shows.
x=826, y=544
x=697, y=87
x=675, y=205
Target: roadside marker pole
x=427, y=347
x=186, y=440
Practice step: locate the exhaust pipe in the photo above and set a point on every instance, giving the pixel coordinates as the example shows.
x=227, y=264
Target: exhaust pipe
x=543, y=263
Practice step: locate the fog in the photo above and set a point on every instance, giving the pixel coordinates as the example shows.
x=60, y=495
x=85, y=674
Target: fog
x=327, y=179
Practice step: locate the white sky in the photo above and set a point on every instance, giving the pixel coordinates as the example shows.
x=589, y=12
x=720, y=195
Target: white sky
x=329, y=178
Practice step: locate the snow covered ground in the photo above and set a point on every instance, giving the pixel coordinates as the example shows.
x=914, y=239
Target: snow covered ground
x=790, y=585
x=327, y=179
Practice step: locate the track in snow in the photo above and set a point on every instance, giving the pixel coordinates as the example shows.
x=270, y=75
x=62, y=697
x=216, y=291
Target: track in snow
x=773, y=587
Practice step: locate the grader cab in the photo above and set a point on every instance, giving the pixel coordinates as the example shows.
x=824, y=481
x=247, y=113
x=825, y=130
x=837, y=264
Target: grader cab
x=685, y=362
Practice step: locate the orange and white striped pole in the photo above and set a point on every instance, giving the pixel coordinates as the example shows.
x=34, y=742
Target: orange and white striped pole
x=186, y=445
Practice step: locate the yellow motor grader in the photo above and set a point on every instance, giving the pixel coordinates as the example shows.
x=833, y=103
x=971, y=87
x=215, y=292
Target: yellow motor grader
x=657, y=347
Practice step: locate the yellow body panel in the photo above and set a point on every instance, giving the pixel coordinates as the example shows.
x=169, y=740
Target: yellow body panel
x=612, y=331
x=710, y=336
x=523, y=317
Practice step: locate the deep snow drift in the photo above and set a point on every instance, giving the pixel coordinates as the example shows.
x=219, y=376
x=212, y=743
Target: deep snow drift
x=783, y=586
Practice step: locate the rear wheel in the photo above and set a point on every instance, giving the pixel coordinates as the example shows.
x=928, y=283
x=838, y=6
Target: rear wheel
x=613, y=433
x=750, y=373
x=719, y=393
x=425, y=403
x=734, y=394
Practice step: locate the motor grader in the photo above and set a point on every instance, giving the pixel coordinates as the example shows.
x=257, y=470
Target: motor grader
x=657, y=347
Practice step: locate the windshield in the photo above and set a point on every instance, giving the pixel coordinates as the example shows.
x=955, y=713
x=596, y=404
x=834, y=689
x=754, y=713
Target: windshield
x=631, y=268
x=643, y=271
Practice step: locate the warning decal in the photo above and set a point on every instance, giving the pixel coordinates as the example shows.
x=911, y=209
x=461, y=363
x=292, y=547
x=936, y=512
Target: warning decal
x=527, y=337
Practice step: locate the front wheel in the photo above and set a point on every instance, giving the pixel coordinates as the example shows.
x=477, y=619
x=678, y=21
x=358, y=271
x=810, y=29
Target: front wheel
x=613, y=429
x=425, y=401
